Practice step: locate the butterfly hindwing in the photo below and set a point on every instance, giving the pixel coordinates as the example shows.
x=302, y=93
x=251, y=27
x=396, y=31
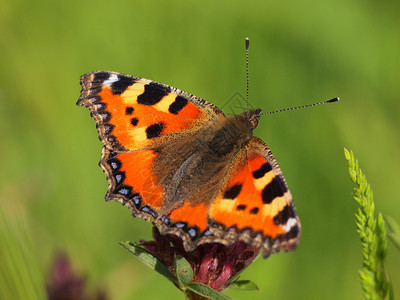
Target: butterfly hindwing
x=256, y=205
x=131, y=181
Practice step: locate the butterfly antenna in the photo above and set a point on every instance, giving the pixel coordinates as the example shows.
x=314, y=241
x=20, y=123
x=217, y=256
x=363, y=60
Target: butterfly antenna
x=247, y=72
x=303, y=106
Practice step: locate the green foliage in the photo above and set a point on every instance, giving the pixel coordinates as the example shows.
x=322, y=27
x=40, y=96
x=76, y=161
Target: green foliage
x=374, y=280
x=183, y=270
x=20, y=277
x=245, y=285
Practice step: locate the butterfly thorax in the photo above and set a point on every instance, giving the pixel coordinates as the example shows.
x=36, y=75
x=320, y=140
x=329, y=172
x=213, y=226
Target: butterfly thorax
x=231, y=134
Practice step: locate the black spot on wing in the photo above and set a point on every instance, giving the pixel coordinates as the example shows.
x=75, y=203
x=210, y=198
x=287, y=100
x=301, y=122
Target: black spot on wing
x=272, y=190
x=134, y=121
x=129, y=110
x=154, y=130
x=241, y=207
x=153, y=93
x=284, y=215
x=177, y=105
x=101, y=76
x=120, y=86
x=254, y=210
x=264, y=169
x=293, y=232
x=233, y=191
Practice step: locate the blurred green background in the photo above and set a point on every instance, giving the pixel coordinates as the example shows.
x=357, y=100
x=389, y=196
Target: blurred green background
x=301, y=52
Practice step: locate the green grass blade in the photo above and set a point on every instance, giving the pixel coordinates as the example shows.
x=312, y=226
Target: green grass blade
x=20, y=276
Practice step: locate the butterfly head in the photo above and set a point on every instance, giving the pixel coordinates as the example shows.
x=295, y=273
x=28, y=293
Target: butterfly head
x=252, y=116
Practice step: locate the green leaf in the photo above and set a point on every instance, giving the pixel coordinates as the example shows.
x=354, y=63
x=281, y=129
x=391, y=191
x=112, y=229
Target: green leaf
x=245, y=285
x=184, y=271
x=394, y=231
x=206, y=291
x=149, y=259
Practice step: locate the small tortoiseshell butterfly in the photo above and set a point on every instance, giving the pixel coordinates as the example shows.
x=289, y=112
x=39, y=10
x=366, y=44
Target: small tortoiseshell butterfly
x=176, y=158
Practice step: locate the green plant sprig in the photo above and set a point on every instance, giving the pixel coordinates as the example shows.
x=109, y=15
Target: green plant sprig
x=374, y=279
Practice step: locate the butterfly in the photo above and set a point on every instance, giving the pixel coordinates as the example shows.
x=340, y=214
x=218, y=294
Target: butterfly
x=177, y=159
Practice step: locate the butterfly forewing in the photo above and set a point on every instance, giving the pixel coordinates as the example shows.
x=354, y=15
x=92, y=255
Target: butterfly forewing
x=133, y=113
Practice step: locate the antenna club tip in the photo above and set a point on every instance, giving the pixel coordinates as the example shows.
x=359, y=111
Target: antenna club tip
x=333, y=100
x=247, y=43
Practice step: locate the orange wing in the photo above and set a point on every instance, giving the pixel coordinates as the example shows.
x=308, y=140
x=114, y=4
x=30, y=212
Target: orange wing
x=134, y=113
x=134, y=116
x=256, y=205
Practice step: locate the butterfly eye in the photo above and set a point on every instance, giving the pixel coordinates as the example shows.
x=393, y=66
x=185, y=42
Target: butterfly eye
x=253, y=116
x=253, y=123
x=253, y=120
